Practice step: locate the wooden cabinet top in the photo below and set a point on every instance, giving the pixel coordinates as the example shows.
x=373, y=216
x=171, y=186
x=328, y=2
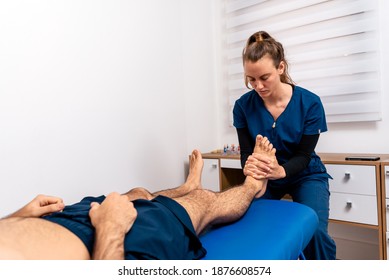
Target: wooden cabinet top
x=341, y=158
x=336, y=158
x=220, y=155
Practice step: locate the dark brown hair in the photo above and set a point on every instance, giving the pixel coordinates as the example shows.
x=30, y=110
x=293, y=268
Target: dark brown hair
x=260, y=44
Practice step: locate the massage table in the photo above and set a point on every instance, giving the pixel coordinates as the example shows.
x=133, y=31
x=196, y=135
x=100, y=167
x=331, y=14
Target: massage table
x=270, y=230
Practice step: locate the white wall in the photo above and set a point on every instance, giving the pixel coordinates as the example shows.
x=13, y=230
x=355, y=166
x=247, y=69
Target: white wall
x=98, y=96
x=361, y=137
x=95, y=96
x=200, y=65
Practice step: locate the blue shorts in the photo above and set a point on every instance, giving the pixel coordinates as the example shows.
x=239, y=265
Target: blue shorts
x=163, y=229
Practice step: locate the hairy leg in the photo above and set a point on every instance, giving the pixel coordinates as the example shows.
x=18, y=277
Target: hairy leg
x=208, y=208
x=193, y=182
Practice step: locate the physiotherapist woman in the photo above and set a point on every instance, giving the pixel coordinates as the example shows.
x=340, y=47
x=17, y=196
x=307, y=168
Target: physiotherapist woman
x=292, y=118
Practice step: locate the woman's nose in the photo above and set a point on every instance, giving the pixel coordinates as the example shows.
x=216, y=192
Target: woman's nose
x=258, y=86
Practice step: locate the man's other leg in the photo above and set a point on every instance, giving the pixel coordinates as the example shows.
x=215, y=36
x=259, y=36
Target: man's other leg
x=193, y=182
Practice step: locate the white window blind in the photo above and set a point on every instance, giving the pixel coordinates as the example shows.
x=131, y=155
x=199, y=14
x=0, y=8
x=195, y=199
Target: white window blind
x=332, y=48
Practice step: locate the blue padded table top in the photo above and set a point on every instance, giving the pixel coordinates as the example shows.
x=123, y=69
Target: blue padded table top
x=270, y=230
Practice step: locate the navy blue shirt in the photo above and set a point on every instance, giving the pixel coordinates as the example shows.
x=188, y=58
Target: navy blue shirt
x=304, y=115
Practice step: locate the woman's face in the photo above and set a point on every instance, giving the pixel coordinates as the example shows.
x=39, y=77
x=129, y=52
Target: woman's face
x=263, y=76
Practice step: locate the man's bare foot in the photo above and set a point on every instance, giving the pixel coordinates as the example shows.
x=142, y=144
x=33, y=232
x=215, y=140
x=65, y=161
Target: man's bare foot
x=196, y=164
x=263, y=147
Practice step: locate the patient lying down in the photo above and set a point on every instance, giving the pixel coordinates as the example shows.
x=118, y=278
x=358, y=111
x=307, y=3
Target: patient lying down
x=133, y=225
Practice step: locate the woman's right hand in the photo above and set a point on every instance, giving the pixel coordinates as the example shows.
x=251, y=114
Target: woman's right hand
x=257, y=166
x=261, y=166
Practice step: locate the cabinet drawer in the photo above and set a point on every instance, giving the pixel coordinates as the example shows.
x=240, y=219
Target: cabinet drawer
x=210, y=176
x=354, y=208
x=230, y=163
x=357, y=179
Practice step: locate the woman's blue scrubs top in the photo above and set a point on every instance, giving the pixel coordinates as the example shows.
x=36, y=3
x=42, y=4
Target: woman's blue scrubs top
x=304, y=114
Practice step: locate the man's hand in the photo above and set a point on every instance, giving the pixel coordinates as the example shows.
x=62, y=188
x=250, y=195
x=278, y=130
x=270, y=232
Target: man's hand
x=112, y=219
x=41, y=205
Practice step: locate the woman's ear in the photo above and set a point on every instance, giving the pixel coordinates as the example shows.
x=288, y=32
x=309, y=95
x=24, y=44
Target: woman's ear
x=281, y=68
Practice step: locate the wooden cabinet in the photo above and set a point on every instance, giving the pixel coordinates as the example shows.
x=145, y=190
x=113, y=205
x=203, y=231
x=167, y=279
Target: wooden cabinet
x=359, y=200
x=385, y=206
x=355, y=206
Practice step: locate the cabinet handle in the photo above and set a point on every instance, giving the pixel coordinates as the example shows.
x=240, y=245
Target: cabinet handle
x=387, y=173
x=214, y=165
x=349, y=204
x=347, y=175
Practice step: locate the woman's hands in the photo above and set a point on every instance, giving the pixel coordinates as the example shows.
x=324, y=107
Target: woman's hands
x=263, y=165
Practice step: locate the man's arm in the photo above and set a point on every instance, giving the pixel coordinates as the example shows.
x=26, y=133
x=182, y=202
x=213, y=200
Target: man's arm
x=39, y=206
x=112, y=219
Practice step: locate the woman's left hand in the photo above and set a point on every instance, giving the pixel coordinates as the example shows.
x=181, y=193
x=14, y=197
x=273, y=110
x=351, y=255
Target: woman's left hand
x=261, y=166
